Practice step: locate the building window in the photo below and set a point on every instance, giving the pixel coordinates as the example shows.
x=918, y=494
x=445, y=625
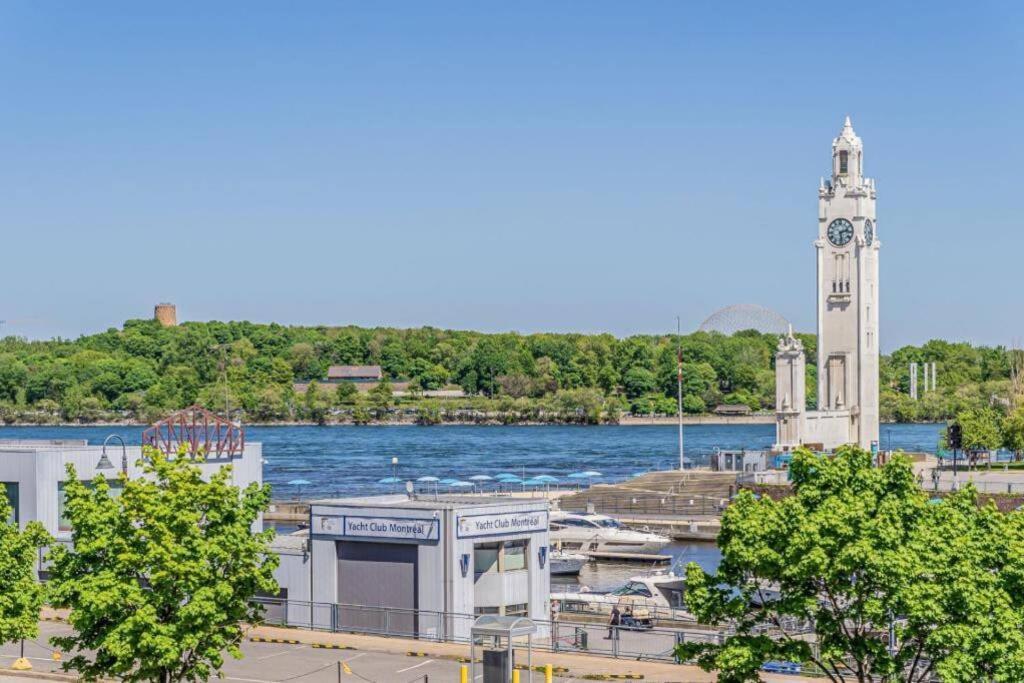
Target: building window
x=514, y=557
x=844, y=161
x=479, y=611
x=519, y=610
x=508, y=556
x=485, y=558
x=11, y=489
x=64, y=524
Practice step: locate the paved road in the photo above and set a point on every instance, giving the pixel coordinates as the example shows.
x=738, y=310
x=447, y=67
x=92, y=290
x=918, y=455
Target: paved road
x=276, y=663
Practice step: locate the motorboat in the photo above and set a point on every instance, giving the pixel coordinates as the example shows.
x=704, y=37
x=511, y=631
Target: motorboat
x=658, y=594
x=564, y=563
x=590, y=533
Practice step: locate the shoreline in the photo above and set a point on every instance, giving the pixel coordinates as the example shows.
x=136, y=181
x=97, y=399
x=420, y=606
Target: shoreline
x=628, y=421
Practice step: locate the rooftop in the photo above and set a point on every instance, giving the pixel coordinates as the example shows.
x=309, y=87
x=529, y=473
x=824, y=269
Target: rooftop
x=39, y=444
x=354, y=372
x=425, y=502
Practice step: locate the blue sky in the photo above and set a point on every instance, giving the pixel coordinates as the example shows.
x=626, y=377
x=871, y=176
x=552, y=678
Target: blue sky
x=524, y=166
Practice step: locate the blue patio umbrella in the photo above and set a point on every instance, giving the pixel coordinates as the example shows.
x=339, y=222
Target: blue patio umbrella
x=461, y=484
x=536, y=481
x=511, y=480
x=506, y=475
x=546, y=478
x=428, y=480
x=389, y=480
x=448, y=481
x=480, y=477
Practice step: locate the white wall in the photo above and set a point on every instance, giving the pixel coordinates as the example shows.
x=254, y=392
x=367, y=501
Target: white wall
x=39, y=471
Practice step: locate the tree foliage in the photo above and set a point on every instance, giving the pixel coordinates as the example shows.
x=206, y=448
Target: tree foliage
x=160, y=580
x=853, y=550
x=21, y=594
x=145, y=370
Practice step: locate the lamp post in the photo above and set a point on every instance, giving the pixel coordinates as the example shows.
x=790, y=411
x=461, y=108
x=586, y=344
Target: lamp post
x=104, y=462
x=394, y=472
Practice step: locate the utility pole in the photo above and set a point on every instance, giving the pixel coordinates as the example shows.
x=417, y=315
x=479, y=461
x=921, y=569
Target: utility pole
x=679, y=390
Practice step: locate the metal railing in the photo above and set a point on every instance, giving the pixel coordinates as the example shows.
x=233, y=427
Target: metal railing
x=655, y=506
x=564, y=633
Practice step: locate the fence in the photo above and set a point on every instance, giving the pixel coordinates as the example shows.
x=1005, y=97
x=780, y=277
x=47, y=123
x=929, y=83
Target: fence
x=656, y=506
x=562, y=634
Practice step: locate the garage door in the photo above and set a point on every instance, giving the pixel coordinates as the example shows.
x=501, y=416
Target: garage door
x=377, y=587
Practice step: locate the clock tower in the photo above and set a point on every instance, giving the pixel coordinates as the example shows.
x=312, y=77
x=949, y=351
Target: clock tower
x=847, y=257
x=847, y=276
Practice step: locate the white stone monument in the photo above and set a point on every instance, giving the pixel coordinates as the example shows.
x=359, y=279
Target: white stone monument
x=847, y=256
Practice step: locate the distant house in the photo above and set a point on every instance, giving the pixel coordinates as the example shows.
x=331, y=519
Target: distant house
x=354, y=373
x=732, y=409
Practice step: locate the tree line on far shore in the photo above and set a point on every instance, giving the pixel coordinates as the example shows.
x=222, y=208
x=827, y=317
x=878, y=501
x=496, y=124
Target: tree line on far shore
x=143, y=370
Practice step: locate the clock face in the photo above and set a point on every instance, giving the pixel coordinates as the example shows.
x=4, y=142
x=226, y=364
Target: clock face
x=840, y=232
x=869, y=232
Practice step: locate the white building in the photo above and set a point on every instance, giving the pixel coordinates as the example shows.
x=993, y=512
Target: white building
x=34, y=474
x=847, y=278
x=420, y=567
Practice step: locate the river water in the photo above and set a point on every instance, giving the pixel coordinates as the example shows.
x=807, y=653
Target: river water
x=347, y=460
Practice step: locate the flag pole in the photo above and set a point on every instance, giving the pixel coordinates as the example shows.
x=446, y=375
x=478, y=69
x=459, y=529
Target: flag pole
x=679, y=388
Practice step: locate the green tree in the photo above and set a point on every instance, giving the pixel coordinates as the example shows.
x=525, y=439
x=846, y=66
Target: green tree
x=316, y=403
x=980, y=429
x=160, y=579
x=693, y=404
x=964, y=604
x=639, y=381
x=361, y=415
x=13, y=376
x=21, y=594
x=428, y=414
x=346, y=393
x=381, y=397
x=1013, y=432
x=848, y=552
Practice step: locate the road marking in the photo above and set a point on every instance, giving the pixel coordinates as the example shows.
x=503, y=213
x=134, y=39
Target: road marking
x=349, y=659
x=248, y=680
x=278, y=654
x=414, y=666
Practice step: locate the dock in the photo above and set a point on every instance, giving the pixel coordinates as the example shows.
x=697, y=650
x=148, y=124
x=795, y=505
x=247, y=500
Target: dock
x=630, y=557
x=684, y=505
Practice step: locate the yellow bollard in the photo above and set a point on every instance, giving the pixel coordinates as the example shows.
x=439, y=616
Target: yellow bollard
x=463, y=674
x=548, y=673
x=515, y=675
x=21, y=664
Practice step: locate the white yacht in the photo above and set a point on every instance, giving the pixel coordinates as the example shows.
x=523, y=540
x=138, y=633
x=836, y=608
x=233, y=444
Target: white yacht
x=648, y=596
x=563, y=563
x=590, y=533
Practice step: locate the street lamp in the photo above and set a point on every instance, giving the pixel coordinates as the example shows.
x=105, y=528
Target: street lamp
x=394, y=472
x=104, y=462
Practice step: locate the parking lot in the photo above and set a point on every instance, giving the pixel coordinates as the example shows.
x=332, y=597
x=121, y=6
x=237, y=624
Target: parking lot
x=279, y=662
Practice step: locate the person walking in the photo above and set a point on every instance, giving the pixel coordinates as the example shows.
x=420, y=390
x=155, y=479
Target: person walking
x=613, y=623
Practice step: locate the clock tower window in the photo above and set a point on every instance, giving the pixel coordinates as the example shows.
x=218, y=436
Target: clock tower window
x=844, y=162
